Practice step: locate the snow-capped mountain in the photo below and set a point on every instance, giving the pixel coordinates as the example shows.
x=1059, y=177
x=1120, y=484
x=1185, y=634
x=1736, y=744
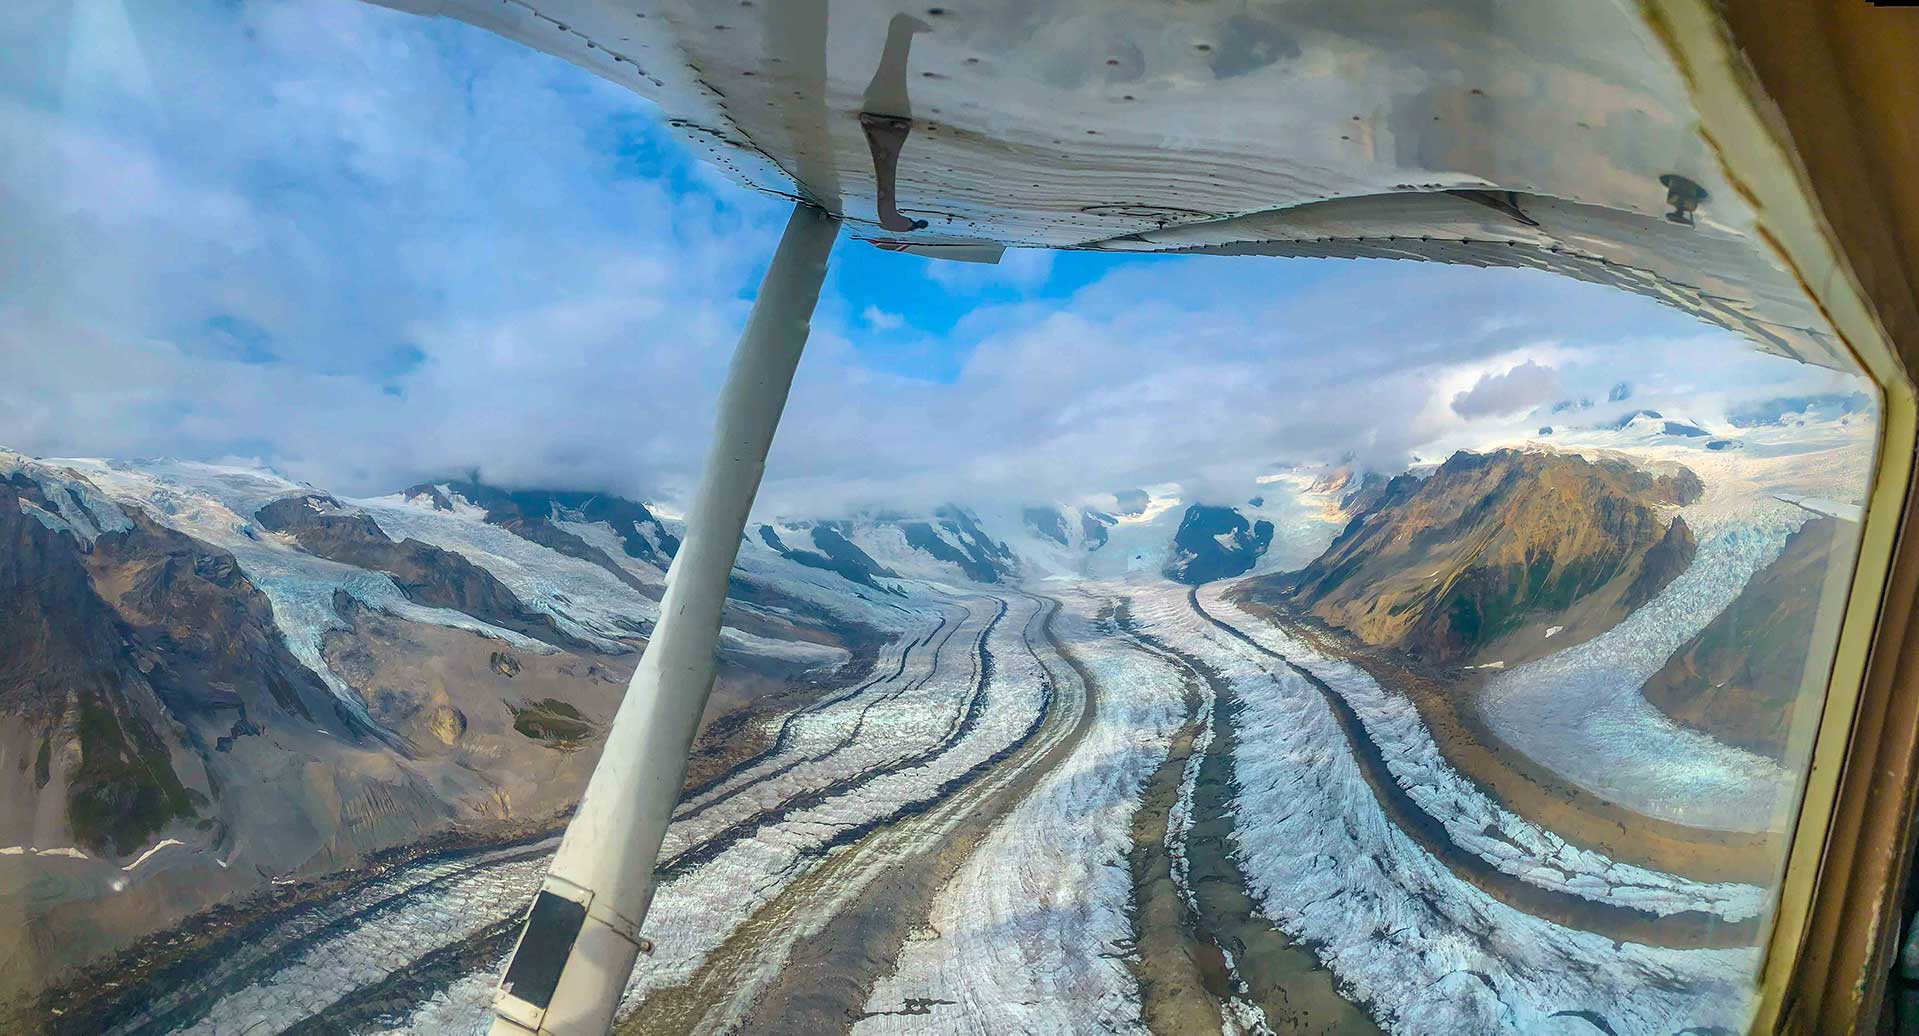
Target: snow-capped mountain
x=218, y=679
x=334, y=616
x=1214, y=543
x=948, y=544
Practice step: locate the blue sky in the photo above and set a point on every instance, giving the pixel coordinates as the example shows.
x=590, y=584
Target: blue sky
x=370, y=248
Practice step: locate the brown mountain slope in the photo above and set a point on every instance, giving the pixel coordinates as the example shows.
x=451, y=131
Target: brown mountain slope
x=128, y=660
x=80, y=710
x=164, y=750
x=1739, y=679
x=1493, y=544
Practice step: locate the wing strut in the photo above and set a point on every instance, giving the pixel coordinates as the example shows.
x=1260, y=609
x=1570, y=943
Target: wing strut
x=582, y=935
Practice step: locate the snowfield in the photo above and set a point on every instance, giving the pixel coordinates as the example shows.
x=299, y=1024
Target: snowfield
x=78, y=507
x=216, y=503
x=585, y=600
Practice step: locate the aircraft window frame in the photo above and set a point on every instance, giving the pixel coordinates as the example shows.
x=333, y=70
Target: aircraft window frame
x=1821, y=901
x=1841, y=884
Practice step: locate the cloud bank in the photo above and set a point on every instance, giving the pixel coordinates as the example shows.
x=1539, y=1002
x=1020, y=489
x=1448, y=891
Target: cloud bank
x=1521, y=388
x=370, y=249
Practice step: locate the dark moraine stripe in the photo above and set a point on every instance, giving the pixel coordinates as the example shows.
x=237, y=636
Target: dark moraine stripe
x=1688, y=929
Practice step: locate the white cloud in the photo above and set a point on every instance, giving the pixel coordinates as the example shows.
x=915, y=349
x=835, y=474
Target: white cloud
x=461, y=255
x=880, y=320
x=1518, y=388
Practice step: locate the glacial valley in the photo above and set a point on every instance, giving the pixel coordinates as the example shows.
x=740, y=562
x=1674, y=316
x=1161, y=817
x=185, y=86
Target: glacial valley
x=1478, y=747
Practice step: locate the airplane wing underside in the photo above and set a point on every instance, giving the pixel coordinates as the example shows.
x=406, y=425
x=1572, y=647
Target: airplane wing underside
x=1554, y=134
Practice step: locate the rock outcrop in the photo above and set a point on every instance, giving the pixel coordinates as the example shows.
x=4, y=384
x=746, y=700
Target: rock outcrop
x=1214, y=543
x=129, y=655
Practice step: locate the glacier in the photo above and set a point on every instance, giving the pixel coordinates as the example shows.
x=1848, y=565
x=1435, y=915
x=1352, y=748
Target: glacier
x=1471, y=817
x=1031, y=934
x=1579, y=710
x=211, y=503
x=1425, y=950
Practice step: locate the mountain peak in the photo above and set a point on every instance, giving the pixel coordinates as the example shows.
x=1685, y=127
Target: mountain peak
x=1493, y=542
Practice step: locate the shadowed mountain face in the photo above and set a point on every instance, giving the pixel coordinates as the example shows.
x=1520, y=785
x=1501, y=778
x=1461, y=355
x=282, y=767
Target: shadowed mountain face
x=833, y=553
x=980, y=556
x=91, y=720
x=534, y=514
x=1048, y=522
x=1740, y=678
x=1443, y=567
x=1093, y=526
x=426, y=574
x=1216, y=542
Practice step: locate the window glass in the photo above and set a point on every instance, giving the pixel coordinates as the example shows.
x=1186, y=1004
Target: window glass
x=1344, y=633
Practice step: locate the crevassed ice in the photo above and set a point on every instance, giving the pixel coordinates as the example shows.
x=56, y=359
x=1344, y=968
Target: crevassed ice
x=694, y=913
x=77, y=507
x=298, y=585
x=1031, y=927
x=1579, y=711
x=1472, y=819
x=1428, y=952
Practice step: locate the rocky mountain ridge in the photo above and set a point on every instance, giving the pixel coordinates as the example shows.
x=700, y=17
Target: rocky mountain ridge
x=218, y=679
x=227, y=679
x=1444, y=566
